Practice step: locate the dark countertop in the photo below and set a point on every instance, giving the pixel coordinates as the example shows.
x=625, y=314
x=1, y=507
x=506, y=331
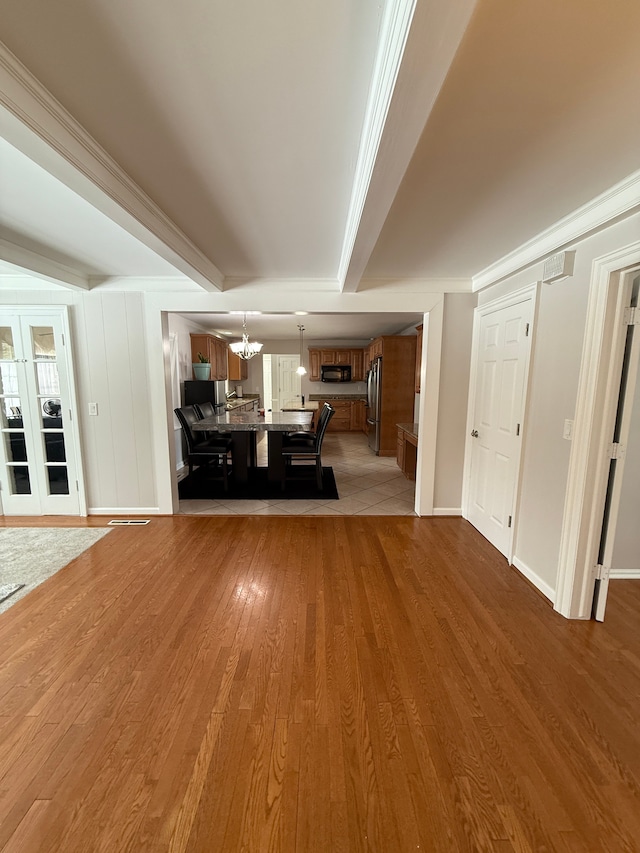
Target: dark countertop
x=252, y=421
x=330, y=396
x=412, y=429
x=237, y=402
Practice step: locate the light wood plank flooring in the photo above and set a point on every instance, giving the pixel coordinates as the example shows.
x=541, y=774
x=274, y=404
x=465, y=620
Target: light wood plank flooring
x=313, y=684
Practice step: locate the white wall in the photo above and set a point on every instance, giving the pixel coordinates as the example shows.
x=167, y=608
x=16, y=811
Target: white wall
x=556, y=357
x=452, y=408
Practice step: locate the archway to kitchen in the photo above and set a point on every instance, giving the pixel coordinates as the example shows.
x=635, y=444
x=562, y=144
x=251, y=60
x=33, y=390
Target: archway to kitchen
x=367, y=483
x=443, y=396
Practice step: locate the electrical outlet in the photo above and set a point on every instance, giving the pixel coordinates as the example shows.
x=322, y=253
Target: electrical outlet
x=93, y=408
x=567, y=432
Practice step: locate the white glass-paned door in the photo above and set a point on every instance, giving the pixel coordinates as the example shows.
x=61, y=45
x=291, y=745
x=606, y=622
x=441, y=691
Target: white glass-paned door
x=38, y=468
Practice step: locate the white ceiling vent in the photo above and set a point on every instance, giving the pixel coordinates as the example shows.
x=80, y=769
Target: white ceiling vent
x=558, y=267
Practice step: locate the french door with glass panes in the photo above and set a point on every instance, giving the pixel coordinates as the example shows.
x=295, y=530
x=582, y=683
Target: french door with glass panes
x=39, y=467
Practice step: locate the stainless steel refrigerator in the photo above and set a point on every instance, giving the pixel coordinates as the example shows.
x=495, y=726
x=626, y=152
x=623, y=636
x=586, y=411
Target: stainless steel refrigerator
x=374, y=403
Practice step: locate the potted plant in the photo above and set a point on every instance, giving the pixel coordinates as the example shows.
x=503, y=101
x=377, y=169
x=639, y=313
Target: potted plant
x=202, y=368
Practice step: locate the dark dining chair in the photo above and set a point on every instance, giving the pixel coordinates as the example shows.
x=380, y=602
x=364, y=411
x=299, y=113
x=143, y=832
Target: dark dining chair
x=307, y=446
x=309, y=437
x=206, y=449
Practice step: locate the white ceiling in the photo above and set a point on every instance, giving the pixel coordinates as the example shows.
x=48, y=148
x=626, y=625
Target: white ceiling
x=243, y=121
x=325, y=327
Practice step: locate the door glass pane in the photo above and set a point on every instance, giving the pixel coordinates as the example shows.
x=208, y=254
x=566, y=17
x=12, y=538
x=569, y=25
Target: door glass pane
x=48, y=381
x=10, y=413
x=6, y=343
x=19, y=483
x=8, y=378
x=14, y=446
x=51, y=413
x=54, y=447
x=43, y=342
x=58, y=480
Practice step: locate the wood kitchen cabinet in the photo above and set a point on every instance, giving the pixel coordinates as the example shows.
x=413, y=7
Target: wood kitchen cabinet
x=349, y=416
x=358, y=420
x=237, y=368
x=216, y=351
x=352, y=357
x=407, y=451
x=357, y=365
x=314, y=365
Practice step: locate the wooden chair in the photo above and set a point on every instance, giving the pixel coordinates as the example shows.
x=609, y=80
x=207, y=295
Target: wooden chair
x=204, y=450
x=307, y=446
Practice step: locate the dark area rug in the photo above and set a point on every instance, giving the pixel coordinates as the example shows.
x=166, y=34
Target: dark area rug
x=202, y=486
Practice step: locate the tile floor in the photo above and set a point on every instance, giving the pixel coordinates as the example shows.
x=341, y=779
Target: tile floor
x=367, y=485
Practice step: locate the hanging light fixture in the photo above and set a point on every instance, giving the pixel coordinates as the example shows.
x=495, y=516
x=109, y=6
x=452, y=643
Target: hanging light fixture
x=243, y=348
x=302, y=369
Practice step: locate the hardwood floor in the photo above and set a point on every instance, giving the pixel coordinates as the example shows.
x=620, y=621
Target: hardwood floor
x=313, y=684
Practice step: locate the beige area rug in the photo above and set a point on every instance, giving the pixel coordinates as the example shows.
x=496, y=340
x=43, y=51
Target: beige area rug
x=30, y=555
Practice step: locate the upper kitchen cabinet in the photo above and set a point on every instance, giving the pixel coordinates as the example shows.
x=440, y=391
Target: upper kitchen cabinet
x=352, y=357
x=314, y=365
x=237, y=368
x=216, y=351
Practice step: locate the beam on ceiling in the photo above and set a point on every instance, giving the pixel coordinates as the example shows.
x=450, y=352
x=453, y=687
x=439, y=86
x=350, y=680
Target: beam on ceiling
x=38, y=125
x=42, y=267
x=418, y=42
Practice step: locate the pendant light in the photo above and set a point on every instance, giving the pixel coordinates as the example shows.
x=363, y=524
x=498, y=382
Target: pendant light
x=301, y=371
x=244, y=349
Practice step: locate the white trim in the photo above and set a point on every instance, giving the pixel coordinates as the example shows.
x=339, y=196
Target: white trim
x=622, y=199
x=597, y=396
x=447, y=510
x=41, y=118
x=417, y=44
x=124, y=510
x=535, y=579
x=524, y=294
x=396, y=23
x=428, y=416
x=624, y=574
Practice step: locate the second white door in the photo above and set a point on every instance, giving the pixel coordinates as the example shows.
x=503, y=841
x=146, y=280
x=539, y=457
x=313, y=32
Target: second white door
x=503, y=343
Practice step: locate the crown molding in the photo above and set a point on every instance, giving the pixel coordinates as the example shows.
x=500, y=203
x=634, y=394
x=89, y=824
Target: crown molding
x=95, y=175
x=620, y=200
x=417, y=285
x=417, y=44
x=42, y=267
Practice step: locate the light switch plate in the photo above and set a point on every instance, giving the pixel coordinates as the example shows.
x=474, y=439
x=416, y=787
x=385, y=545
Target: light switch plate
x=93, y=408
x=567, y=432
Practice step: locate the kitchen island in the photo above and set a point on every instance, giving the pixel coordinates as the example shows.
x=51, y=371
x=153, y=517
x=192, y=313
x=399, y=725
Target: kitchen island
x=244, y=427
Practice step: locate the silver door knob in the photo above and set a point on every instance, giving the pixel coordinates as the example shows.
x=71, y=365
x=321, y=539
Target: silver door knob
x=474, y=433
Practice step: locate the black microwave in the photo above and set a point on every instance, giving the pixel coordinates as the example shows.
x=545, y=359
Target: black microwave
x=335, y=373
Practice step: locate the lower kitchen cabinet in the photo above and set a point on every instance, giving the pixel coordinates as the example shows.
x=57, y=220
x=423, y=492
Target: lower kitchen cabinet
x=349, y=416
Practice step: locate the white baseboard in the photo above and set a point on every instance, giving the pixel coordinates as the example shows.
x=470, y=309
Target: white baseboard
x=531, y=576
x=447, y=510
x=123, y=510
x=627, y=574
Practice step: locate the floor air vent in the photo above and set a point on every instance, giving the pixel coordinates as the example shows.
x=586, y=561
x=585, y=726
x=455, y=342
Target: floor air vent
x=130, y=521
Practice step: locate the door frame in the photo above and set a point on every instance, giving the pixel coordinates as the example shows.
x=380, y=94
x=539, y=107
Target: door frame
x=62, y=313
x=595, y=410
x=524, y=294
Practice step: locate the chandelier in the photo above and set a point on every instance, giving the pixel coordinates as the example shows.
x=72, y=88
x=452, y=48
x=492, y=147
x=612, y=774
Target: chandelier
x=244, y=348
x=302, y=369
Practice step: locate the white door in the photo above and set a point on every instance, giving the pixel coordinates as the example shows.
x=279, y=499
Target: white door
x=289, y=386
x=503, y=344
x=38, y=465
x=619, y=444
